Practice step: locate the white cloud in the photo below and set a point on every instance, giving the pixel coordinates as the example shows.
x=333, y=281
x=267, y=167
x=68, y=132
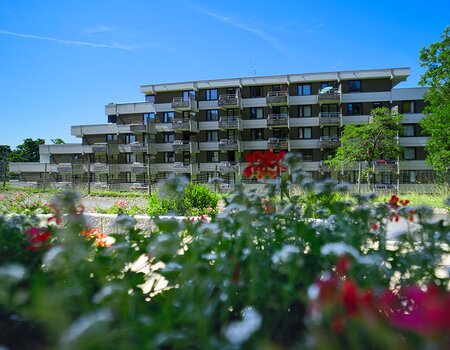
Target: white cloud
x=69, y=42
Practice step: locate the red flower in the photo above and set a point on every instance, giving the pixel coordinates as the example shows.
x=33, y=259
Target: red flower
x=38, y=238
x=350, y=297
x=394, y=205
x=342, y=265
x=101, y=239
x=264, y=166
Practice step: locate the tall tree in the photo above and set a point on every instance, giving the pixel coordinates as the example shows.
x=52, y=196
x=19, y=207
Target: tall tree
x=368, y=143
x=28, y=151
x=5, y=150
x=436, y=123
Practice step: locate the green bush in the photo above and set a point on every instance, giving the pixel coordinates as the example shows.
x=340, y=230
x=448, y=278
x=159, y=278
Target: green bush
x=198, y=199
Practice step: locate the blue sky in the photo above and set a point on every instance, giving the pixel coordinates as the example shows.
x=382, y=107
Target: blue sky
x=62, y=61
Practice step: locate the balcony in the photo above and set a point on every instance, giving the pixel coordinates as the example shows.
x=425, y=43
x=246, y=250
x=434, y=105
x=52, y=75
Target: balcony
x=277, y=98
x=328, y=142
x=330, y=118
x=329, y=95
x=181, y=104
x=278, y=120
x=64, y=168
x=230, y=123
x=138, y=147
x=276, y=143
x=385, y=165
x=101, y=147
x=184, y=146
x=185, y=168
x=230, y=101
x=179, y=124
x=227, y=167
x=100, y=168
x=138, y=168
x=143, y=128
x=230, y=145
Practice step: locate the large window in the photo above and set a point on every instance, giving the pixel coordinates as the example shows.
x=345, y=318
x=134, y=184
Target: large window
x=188, y=94
x=212, y=136
x=332, y=108
x=150, y=98
x=212, y=115
x=130, y=158
x=168, y=117
x=212, y=156
x=304, y=89
x=256, y=113
x=330, y=132
x=408, y=107
x=305, y=111
x=409, y=130
x=355, y=109
x=111, y=138
x=257, y=134
x=169, y=157
x=168, y=137
x=256, y=91
x=354, y=86
x=130, y=138
x=409, y=153
x=211, y=95
x=305, y=133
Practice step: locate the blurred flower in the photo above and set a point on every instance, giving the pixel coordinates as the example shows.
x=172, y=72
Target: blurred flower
x=265, y=165
x=38, y=237
x=122, y=203
x=101, y=239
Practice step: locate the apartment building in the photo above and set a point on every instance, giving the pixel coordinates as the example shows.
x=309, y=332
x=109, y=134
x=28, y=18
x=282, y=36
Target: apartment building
x=202, y=129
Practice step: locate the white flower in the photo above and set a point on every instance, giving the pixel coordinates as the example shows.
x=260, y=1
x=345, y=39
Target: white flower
x=238, y=332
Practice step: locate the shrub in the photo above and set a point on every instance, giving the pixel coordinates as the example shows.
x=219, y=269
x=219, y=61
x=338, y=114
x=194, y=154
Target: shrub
x=198, y=199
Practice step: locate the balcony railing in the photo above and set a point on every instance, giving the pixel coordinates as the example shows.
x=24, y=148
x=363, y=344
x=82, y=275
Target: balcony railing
x=64, y=168
x=230, y=123
x=99, y=168
x=180, y=167
x=138, y=128
x=138, y=147
x=329, y=95
x=230, y=101
x=277, y=98
x=278, y=143
x=138, y=168
x=179, y=124
x=330, y=118
x=227, y=167
x=181, y=145
x=229, y=145
x=328, y=142
x=100, y=147
x=184, y=104
x=385, y=165
x=278, y=120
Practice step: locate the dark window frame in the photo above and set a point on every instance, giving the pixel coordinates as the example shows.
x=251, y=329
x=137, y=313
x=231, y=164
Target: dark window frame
x=254, y=114
x=301, y=89
x=302, y=131
x=253, y=89
x=208, y=95
x=356, y=88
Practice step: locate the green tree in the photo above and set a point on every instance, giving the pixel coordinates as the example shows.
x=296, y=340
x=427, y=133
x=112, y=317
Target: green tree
x=436, y=58
x=369, y=142
x=5, y=150
x=28, y=151
x=58, y=141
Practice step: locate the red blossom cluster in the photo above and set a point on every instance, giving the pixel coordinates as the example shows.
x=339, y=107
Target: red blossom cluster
x=267, y=165
x=425, y=312
x=38, y=238
x=101, y=239
x=394, y=204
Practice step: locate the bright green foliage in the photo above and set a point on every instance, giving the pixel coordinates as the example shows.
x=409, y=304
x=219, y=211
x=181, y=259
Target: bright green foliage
x=436, y=58
x=369, y=142
x=27, y=152
x=199, y=199
x=21, y=203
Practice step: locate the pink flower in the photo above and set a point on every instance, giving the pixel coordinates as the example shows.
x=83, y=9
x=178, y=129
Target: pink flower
x=38, y=237
x=122, y=203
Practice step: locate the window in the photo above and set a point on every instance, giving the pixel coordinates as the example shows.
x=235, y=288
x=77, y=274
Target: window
x=409, y=176
x=354, y=109
x=130, y=138
x=231, y=91
x=127, y=177
x=169, y=157
x=306, y=155
x=111, y=138
x=257, y=134
x=130, y=158
x=212, y=136
x=212, y=115
x=148, y=116
x=168, y=137
x=150, y=98
x=188, y=94
x=330, y=132
x=76, y=156
x=304, y=89
x=377, y=105
x=168, y=117
x=211, y=95
x=329, y=108
x=280, y=110
x=212, y=156
x=409, y=130
x=305, y=111
x=409, y=153
x=305, y=133
x=354, y=86
x=280, y=133
x=276, y=87
x=256, y=91
x=256, y=113
x=408, y=107
x=327, y=84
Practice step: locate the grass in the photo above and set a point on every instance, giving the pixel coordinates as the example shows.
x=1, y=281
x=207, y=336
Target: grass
x=431, y=200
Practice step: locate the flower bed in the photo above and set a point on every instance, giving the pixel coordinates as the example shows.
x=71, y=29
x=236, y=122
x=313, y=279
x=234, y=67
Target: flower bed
x=312, y=271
